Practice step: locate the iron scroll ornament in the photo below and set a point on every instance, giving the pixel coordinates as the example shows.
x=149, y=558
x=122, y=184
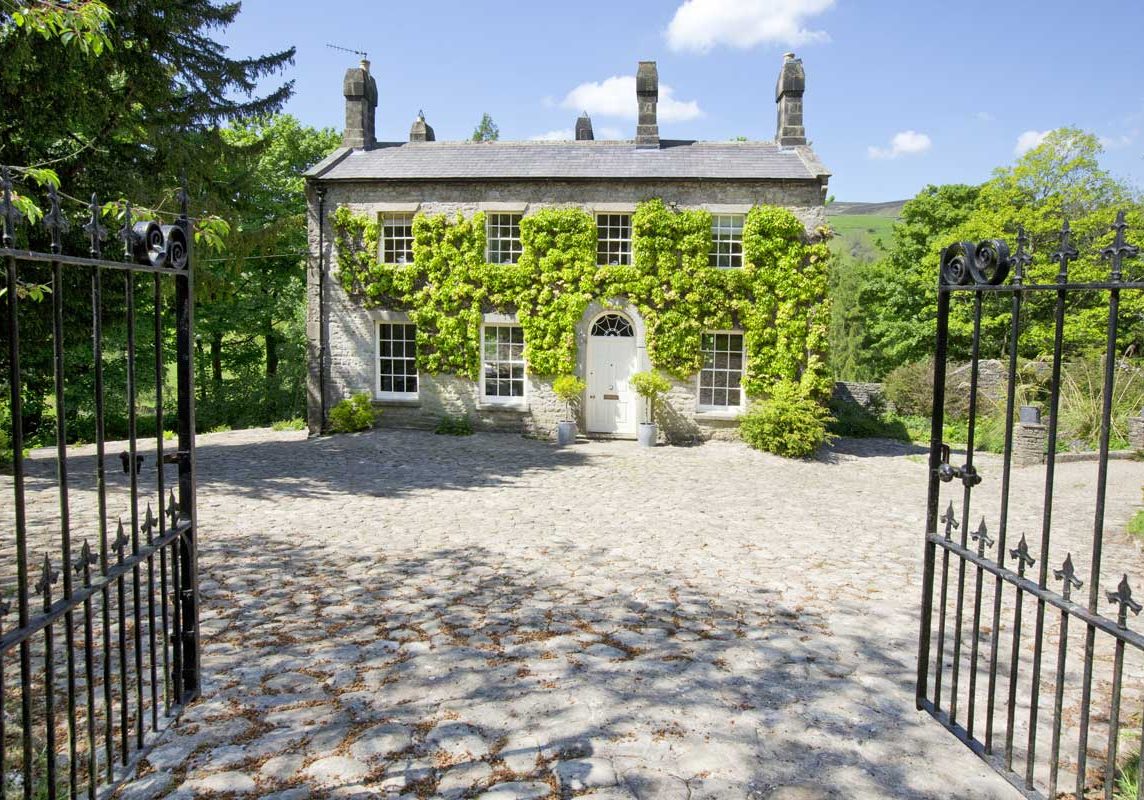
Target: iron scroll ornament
x=986, y=263
x=159, y=245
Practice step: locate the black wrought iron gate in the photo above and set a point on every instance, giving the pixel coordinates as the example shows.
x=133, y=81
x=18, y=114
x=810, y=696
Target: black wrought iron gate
x=98, y=549
x=1051, y=723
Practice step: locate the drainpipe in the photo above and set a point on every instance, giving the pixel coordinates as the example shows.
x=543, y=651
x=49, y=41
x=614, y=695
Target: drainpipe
x=322, y=307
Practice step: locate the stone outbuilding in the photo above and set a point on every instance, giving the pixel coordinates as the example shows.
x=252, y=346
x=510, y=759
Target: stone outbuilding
x=358, y=347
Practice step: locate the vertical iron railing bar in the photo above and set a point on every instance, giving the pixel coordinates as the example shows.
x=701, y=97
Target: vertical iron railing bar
x=1067, y=574
x=133, y=474
x=17, y=411
x=1109, y=383
x=1065, y=253
x=149, y=526
x=933, y=500
x=188, y=556
x=84, y=566
x=959, y=613
x=45, y=588
x=1020, y=261
x=159, y=482
x=1023, y=561
x=1123, y=598
x=101, y=502
x=57, y=224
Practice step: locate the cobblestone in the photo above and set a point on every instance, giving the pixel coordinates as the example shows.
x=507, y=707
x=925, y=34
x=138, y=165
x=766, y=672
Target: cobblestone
x=398, y=613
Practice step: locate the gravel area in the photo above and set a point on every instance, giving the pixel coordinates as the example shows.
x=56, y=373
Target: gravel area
x=399, y=614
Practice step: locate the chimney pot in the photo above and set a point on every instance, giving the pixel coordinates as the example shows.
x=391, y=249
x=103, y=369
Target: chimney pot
x=584, y=128
x=647, y=98
x=789, y=130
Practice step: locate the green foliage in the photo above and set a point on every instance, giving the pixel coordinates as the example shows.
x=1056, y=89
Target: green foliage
x=486, y=130
x=1060, y=179
x=569, y=388
x=454, y=426
x=295, y=424
x=650, y=385
x=788, y=423
x=353, y=414
x=777, y=298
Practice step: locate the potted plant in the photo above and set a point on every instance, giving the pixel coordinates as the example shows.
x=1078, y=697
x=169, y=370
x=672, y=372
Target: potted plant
x=650, y=385
x=568, y=388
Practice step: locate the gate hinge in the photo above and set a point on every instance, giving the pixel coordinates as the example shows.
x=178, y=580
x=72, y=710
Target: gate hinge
x=946, y=472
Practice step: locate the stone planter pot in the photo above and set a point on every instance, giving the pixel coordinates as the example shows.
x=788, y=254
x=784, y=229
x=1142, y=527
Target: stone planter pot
x=565, y=433
x=648, y=434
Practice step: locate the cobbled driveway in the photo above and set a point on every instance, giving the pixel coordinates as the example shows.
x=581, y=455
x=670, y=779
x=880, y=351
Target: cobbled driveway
x=398, y=614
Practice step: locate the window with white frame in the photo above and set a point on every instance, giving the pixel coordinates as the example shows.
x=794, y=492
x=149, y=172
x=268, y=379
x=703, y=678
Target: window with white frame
x=613, y=239
x=397, y=238
x=503, y=233
x=396, y=360
x=502, y=367
x=726, y=240
x=721, y=378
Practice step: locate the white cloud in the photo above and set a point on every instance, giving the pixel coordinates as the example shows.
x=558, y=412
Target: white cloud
x=699, y=25
x=562, y=135
x=906, y=143
x=1117, y=142
x=1028, y=140
x=616, y=97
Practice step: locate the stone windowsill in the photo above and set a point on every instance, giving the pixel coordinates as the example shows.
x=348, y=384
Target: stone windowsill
x=514, y=408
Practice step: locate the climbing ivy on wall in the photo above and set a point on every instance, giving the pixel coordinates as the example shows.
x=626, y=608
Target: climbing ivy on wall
x=778, y=298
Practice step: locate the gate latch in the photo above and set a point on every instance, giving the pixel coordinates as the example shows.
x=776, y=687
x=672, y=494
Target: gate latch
x=946, y=472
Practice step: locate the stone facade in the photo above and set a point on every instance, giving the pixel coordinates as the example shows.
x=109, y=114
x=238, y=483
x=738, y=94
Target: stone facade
x=342, y=332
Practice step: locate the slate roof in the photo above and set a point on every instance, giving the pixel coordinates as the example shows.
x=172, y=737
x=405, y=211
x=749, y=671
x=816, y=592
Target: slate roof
x=675, y=159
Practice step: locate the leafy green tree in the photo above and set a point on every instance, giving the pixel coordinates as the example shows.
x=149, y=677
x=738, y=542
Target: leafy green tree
x=1060, y=179
x=486, y=130
x=252, y=299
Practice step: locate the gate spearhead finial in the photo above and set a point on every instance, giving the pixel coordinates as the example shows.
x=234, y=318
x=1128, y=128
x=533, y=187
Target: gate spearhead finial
x=1021, y=258
x=981, y=536
x=1021, y=553
x=950, y=520
x=48, y=576
x=127, y=232
x=9, y=214
x=86, y=557
x=95, y=231
x=1123, y=598
x=1067, y=573
x=1119, y=249
x=55, y=220
x=120, y=543
x=1065, y=253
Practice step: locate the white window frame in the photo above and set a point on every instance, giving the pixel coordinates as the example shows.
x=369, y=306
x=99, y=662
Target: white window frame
x=609, y=227
x=503, y=224
x=727, y=228
x=392, y=216
x=378, y=394
x=513, y=401
x=727, y=409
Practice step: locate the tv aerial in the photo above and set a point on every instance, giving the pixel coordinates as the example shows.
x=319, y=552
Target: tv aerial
x=361, y=53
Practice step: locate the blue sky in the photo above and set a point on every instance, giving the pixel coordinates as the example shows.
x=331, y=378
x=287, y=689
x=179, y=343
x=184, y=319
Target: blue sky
x=900, y=93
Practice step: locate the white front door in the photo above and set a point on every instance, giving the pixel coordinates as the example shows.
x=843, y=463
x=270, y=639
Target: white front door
x=611, y=363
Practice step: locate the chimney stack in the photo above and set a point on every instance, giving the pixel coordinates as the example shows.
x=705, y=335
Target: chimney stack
x=788, y=96
x=647, y=96
x=360, y=90
x=421, y=131
x=584, y=128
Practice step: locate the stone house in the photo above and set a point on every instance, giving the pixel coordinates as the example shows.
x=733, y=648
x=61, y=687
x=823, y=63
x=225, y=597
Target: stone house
x=355, y=346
